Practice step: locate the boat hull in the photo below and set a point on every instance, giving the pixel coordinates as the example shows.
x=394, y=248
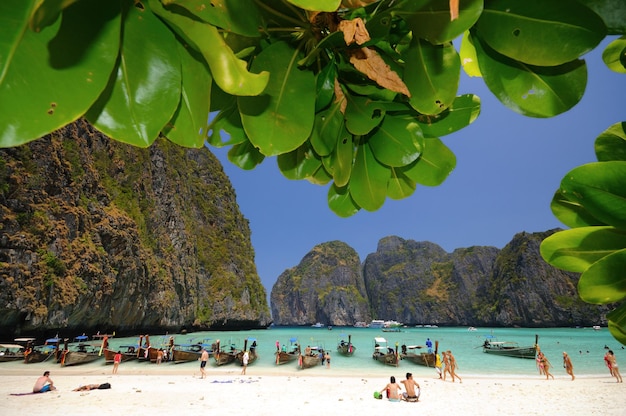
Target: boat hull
x=425, y=359
x=521, y=352
x=308, y=361
x=286, y=357
x=70, y=358
x=109, y=356
x=184, y=356
x=387, y=359
x=223, y=358
x=347, y=350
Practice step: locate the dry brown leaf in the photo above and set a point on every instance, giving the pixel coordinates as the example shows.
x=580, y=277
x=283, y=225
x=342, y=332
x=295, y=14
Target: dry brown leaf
x=369, y=62
x=454, y=9
x=354, y=31
x=340, y=97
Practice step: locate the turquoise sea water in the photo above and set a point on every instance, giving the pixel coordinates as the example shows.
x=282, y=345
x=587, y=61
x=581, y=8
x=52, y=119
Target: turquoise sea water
x=584, y=345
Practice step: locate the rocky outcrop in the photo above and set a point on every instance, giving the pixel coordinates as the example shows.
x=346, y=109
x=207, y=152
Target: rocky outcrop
x=420, y=283
x=95, y=234
x=327, y=287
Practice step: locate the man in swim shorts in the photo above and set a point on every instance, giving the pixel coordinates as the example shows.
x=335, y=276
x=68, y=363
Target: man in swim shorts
x=203, y=359
x=44, y=383
x=409, y=384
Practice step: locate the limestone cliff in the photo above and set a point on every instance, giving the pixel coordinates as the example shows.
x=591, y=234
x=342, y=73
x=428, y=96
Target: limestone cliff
x=420, y=283
x=95, y=234
x=326, y=287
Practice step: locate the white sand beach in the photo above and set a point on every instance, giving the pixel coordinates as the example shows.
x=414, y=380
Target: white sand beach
x=171, y=390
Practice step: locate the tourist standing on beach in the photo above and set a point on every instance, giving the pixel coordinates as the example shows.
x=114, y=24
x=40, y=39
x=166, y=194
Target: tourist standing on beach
x=438, y=364
x=453, y=366
x=540, y=357
x=117, y=359
x=393, y=390
x=607, y=361
x=327, y=358
x=545, y=363
x=244, y=362
x=446, y=365
x=614, y=367
x=567, y=365
x=204, y=357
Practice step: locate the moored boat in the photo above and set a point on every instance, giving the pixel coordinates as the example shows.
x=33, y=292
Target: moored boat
x=346, y=348
x=384, y=353
x=49, y=351
x=182, y=353
x=128, y=352
x=510, y=348
x=310, y=358
x=252, y=355
x=223, y=355
x=287, y=354
x=80, y=352
x=377, y=323
x=11, y=352
x=425, y=358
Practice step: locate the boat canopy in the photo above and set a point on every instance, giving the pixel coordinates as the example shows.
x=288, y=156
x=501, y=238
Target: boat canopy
x=380, y=340
x=81, y=338
x=293, y=339
x=24, y=339
x=9, y=346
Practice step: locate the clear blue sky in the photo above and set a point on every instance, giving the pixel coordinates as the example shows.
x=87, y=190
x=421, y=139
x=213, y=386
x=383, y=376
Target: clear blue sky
x=508, y=168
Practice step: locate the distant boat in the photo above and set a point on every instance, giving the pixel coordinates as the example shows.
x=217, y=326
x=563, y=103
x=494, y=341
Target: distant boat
x=377, y=323
x=384, y=353
x=317, y=325
x=596, y=327
x=471, y=328
x=509, y=348
x=360, y=324
x=346, y=348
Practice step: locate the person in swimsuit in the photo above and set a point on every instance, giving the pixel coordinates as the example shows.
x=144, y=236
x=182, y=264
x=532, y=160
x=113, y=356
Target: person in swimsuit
x=615, y=367
x=204, y=357
x=567, y=365
x=393, y=390
x=409, y=384
x=44, y=383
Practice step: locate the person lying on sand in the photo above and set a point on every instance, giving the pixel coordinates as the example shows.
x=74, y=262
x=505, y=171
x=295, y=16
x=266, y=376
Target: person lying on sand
x=93, y=387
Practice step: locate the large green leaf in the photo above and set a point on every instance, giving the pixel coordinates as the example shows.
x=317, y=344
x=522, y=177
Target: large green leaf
x=325, y=86
x=241, y=17
x=463, y=111
x=280, y=120
x=227, y=120
x=339, y=162
x=397, y=142
x=432, y=75
x=47, y=12
x=468, y=56
x=433, y=22
x=327, y=129
x=368, y=183
x=50, y=79
x=229, y=72
x=576, y=249
x=614, y=55
x=363, y=114
x=340, y=201
x=571, y=213
x=399, y=186
x=539, y=32
x=617, y=323
x=604, y=281
x=434, y=165
x=531, y=90
x=301, y=163
x=245, y=155
x=613, y=12
x=611, y=144
x=317, y=5
x=189, y=125
x=147, y=89
x=601, y=188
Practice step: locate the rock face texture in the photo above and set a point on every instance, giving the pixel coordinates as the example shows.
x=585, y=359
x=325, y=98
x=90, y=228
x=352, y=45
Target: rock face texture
x=327, y=287
x=98, y=235
x=420, y=283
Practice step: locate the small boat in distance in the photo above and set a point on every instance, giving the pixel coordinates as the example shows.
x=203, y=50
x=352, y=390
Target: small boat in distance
x=596, y=327
x=317, y=325
x=509, y=348
x=377, y=323
x=346, y=348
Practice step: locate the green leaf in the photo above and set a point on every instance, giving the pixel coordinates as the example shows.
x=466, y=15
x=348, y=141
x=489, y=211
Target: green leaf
x=617, y=323
x=613, y=12
x=614, y=55
x=432, y=75
x=241, y=17
x=611, y=144
x=328, y=128
x=189, y=126
x=604, y=282
x=469, y=61
x=368, y=183
x=434, y=165
x=577, y=249
x=540, y=33
x=147, y=89
x=47, y=13
x=433, y=21
x=280, y=120
x=298, y=164
x=463, y=111
x=339, y=162
x=572, y=213
x=49, y=79
x=325, y=86
x=340, y=201
x=317, y=5
x=397, y=142
x=229, y=72
x=14, y=16
x=245, y=155
x=531, y=90
x=363, y=114
x=601, y=189
x=227, y=120
x=399, y=186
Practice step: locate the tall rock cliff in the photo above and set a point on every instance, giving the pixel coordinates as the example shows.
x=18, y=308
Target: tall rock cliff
x=420, y=283
x=326, y=286
x=95, y=234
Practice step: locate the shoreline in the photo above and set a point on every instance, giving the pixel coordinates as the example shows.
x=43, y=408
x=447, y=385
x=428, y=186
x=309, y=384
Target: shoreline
x=174, y=389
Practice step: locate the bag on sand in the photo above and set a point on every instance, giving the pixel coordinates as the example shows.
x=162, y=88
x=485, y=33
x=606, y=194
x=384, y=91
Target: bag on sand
x=377, y=395
x=104, y=386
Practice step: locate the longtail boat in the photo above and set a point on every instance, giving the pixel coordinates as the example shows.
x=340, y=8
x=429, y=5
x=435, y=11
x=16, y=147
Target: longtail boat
x=510, y=348
x=425, y=358
x=310, y=358
x=385, y=354
x=128, y=352
x=182, y=353
x=223, y=356
x=49, y=351
x=346, y=348
x=287, y=354
x=80, y=351
x=252, y=355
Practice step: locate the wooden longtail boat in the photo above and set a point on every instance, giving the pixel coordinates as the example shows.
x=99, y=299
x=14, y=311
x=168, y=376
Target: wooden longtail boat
x=346, y=348
x=129, y=353
x=310, y=358
x=287, y=354
x=252, y=355
x=50, y=351
x=182, y=353
x=80, y=351
x=425, y=358
x=509, y=348
x=385, y=354
x=223, y=356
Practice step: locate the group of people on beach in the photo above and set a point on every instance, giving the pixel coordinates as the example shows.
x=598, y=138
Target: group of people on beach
x=394, y=392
